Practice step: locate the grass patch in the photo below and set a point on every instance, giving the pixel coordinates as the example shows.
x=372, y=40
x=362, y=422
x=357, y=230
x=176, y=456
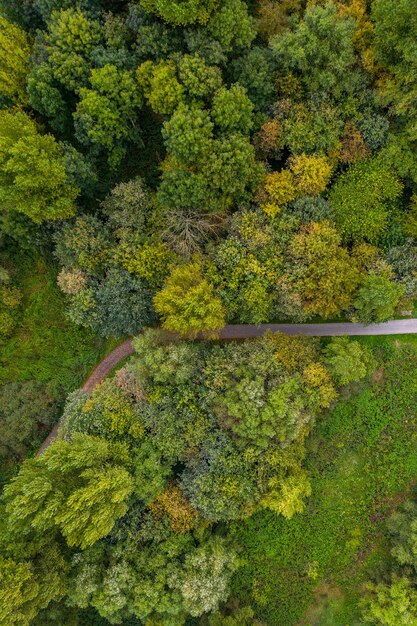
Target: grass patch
x=45, y=345
x=362, y=461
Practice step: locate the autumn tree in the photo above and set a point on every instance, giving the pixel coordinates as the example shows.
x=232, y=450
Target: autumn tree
x=33, y=178
x=187, y=304
x=325, y=275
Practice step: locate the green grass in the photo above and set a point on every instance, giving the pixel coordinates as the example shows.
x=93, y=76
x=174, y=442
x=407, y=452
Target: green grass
x=362, y=461
x=45, y=345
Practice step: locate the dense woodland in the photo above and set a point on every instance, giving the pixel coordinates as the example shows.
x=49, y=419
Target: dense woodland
x=182, y=165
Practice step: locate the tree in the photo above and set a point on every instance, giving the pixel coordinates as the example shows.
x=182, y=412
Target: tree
x=323, y=272
x=33, y=179
x=231, y=168
x=45, y=96
x=181, y=12
x=120, y=304
x=402, y=528
x=78, y=488
x=70, y=42
x=348, y=361
x=84, y=244
x=160, y=86
x=27, y=411
x=187, y=304
x=395, y=33
x=14, y=61
x=391, y=604
x=253, y=71
x=280, y=186
x=361, y=200
x=107, y=112
x=206, y=576
x=376, y=299
x=127, y=207
x=232, y=26
x=232, y=110
x=311, y=174
x=328, y=68
x=188, y=134
x=199, y=79
x=18, y=592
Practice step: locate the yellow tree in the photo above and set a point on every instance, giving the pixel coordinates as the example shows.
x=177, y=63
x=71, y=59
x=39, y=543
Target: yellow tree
x=187, y=304
x=14, y=61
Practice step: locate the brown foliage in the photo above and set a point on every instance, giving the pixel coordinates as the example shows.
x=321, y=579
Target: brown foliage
x=171, y=502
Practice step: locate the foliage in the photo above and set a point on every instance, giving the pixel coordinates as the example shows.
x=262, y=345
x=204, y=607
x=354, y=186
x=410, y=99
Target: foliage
x=106, y=113
x=232, y=109
x=348, y=361
x=326, y=68
x=14, y=61
x=179, y=12
x=361, y=199
x=377, y=298
x=311, y=174
x=325, y=274
x=160, y=86
x=389, y=605
x=25, y=156
x=27, y=411
x=187, y=304
x=77, y=489
x=70, y=43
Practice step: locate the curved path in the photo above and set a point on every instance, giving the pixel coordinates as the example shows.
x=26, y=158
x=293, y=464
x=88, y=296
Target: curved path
x=249, y=331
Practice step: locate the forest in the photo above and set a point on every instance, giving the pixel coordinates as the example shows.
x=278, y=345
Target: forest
x=169, y=168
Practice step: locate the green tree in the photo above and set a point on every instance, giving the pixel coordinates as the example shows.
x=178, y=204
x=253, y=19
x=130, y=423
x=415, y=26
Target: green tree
x=70, y=42
x=232, y=25
x=18, y=592
x=181, y=12
x=46, y=97
x=394, y=47
x=123, y=305
x=391, y=604
x=84, y=243
x=206, y=575
x=27, y=411
x=161, y=86
x=232, y=110
x=361, y=200
x=403, y=530
x=189, y=134
x=107, y=112
x=323, y=68
x=348, y=361
x=78, y=488
x=14, y=61
x=187, y=304
x=199, y=79
x=33, y=179
x=376, y=299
